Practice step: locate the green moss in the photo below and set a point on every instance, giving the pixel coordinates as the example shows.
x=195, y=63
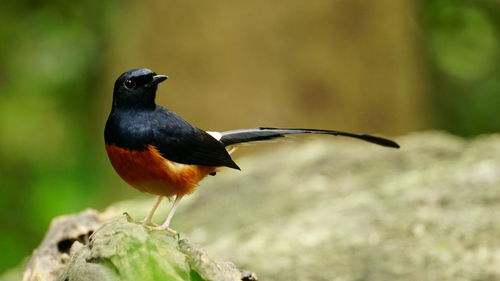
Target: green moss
x=125, y=250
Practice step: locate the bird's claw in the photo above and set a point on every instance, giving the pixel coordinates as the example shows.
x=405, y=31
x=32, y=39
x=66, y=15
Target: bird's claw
x=163, y=227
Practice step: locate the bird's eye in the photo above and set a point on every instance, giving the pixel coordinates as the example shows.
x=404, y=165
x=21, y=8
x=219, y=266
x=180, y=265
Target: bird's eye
x=129, y=84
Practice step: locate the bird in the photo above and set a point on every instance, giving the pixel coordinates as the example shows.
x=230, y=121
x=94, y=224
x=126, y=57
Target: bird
x=158, y=152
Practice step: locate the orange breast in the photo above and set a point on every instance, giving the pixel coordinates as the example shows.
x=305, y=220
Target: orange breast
x=149, y=172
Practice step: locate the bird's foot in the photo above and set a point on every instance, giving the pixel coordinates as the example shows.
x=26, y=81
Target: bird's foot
x=128, y=217
x=167, y=228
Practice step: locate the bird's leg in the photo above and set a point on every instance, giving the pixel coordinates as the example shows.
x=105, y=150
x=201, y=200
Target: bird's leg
x=165, y=225
x=232, y=149
x=148, y=219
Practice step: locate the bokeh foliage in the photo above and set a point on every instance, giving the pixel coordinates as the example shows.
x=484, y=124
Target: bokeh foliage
x=56, y=76
x=50, y=60
x=463, y=50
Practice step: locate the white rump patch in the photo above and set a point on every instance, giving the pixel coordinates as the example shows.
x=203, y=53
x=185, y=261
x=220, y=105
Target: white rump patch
x=216, y=135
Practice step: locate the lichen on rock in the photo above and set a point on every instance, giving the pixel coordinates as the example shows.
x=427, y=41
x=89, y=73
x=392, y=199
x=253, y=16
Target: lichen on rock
x=122, y=249
x=125, y=250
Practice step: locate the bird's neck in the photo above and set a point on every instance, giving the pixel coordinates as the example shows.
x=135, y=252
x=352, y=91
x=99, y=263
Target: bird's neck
x=135, y=107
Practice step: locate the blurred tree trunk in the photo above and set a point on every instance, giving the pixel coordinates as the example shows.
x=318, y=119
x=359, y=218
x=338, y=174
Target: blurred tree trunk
x=329, y=64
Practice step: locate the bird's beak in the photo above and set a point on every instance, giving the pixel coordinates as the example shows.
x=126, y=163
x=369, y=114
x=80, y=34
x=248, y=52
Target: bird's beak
x=157, y=79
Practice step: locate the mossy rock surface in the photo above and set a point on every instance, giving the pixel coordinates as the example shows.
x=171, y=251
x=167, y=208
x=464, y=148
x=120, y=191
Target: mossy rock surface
x=126, y=250
x=121, y=249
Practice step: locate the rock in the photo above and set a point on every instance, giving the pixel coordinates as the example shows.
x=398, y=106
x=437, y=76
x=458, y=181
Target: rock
x=125, y=250
x=334, y=210
x=122, y=249
x=53, y=253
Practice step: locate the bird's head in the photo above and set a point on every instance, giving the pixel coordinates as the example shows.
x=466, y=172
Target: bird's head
x=136, y=89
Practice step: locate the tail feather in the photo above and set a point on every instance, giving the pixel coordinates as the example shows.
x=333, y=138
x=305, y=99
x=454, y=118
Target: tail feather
x=265, y=133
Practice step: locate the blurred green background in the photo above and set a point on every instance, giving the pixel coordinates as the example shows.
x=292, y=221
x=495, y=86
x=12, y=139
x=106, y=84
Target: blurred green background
x=386, y=67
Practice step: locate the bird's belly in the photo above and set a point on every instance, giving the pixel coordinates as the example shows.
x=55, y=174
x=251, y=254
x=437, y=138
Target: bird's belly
x=149, y=172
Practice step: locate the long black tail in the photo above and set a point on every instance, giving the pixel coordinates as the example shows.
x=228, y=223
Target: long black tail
x=264, y=133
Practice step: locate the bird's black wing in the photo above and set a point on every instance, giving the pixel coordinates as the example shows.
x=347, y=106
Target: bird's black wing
x=179, y=141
